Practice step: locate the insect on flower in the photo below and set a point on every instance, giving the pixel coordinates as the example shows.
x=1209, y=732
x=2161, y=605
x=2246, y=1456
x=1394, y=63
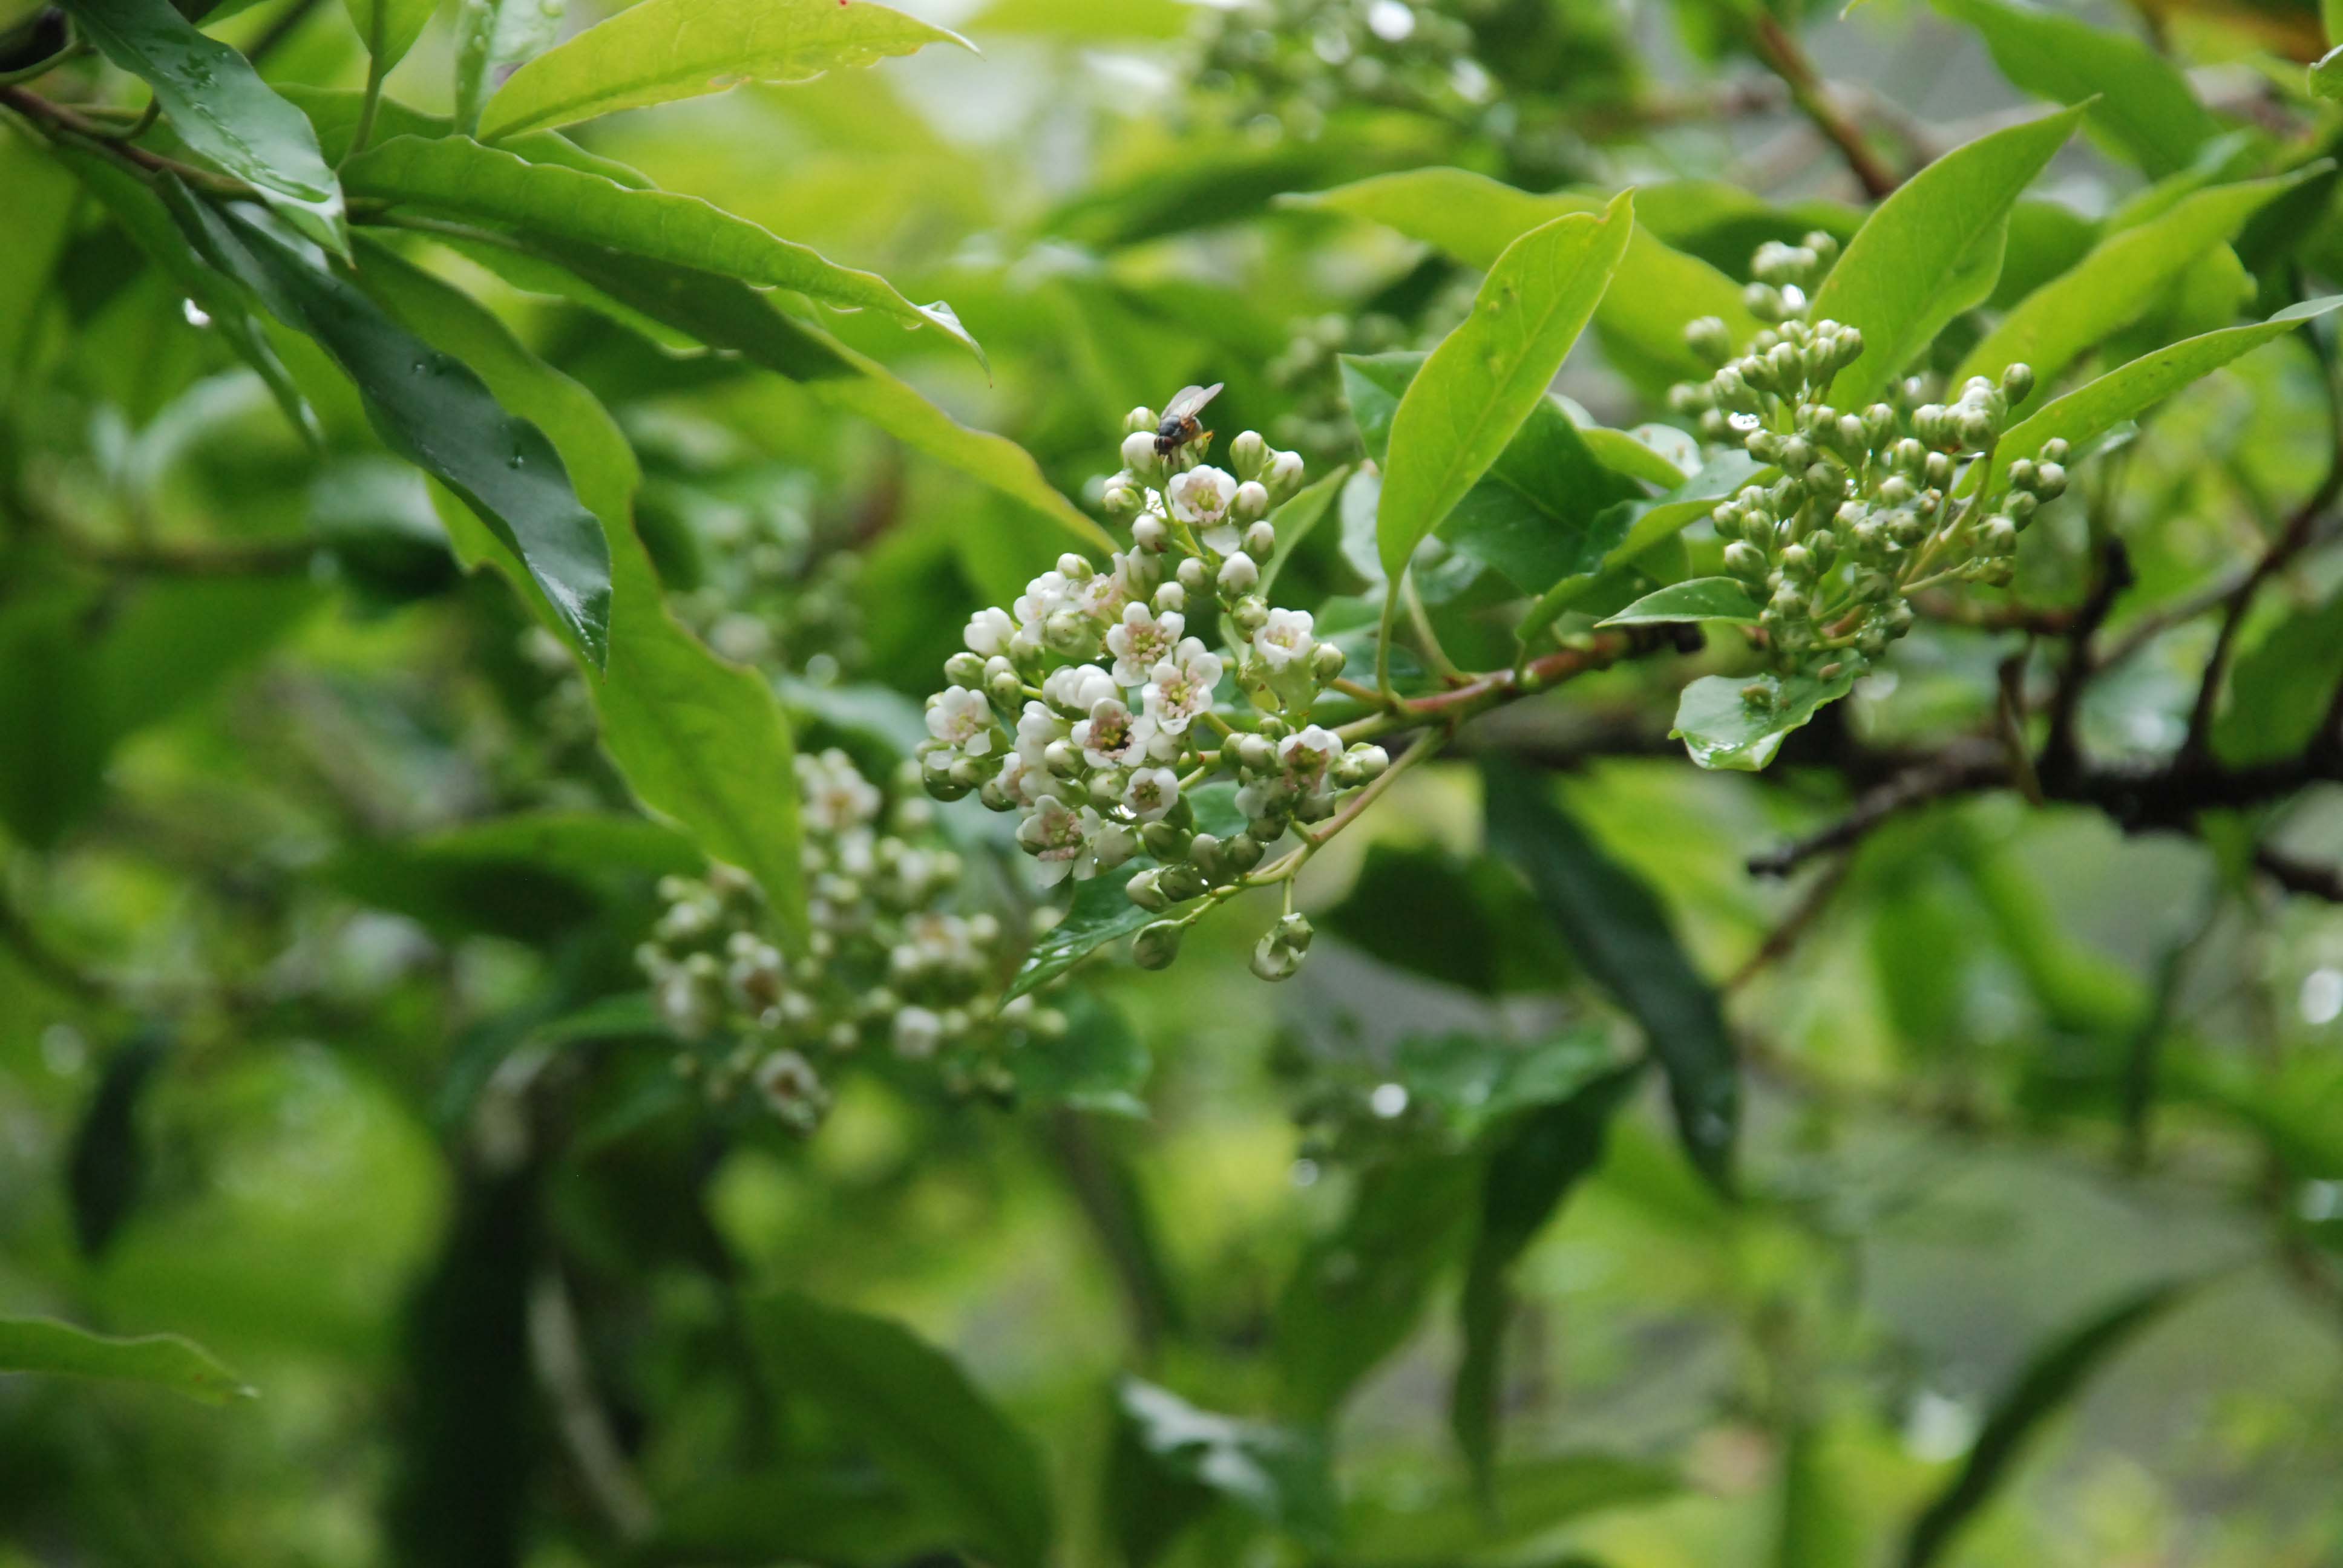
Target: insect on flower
x=1180, y=427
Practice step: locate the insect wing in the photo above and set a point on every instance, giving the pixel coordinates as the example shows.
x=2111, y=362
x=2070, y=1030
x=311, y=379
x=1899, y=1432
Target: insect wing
x=1190, y=399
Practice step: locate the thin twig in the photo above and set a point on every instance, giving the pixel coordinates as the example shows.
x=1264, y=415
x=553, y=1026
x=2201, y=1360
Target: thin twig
x=1783, y=936
x=1780, y=52
x=2061, y=750
x=2290, y=543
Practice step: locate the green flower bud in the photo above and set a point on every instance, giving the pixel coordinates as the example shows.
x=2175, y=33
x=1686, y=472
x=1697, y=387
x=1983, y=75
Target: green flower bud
x=1075, y=568
x=1686, y=398
x=1825, y=248
x=1707, y=336
x=1798, y=563
x=1004, y=687
x=1165, y=839
x=1241, y=852
x=1180, y=882
x=1294, y=931
x=1170, y=597
x=1071, y=632
x=1260, y=541
x=2050, y=479
x=1274, y=960
x=1062, y=759
x=1145, y=890
x=1937, y=471
x=1326, y=662
x=1254, y=753
x=2054, y=449
x=1998, y=536
x=1157, y=943
x=2021, y=507
x=1193, y=576
x=2018, y=383
x=1745, y=561
x=1764, y=302
x=1248, y=455
x=1139, y=421
x=964, y=669
x=1204, y=853
x=1106, y=786
x=1975, y=426
x=2023, y=474
x=1794, y=454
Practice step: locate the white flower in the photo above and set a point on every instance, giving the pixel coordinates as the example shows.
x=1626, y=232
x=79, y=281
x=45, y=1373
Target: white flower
x=962, y=717
x=1043, y=598
x=1284, y=639
x=1200, y=498
x=1078, y=688
x=1058, y=837
x=1180, y=687
x=1151, y=793
x=1036, y=728
x=1015, y=778
x=1305, y=756
x=834, y=798
x=918, y=1032
x=1102, y=596
x=1143, y=641
x=1112, y=737
x=988, y=632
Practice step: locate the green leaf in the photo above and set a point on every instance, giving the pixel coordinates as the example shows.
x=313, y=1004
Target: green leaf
x=1620, y=930
x=1101, y=911
x=699, y=741
x=389, y=27
x=1531, y=1498
x=2279, y=691
x=1530, y=1170
x=1473, y=218
x=1486, y=377
x=1930, y=250
x=2136, y=97
x=1467, y=924
x=663, y=50
x=1722, y=727
x=107, y=1169
x=40, y=201
x=724, y=312
x=46, y=1345
x=137, y=208
x=1097, y=1063
x=2130, y=390
x=1359, y=1291
x=221, y=109
x=455, y=176
x=529, y=875
x=2051, y=1379
x=2126, y=275
x=430, y=408
x=1297, y=518
x=1635, y=527
x=492, y=37
x=2327, y=75
x=1696, y=598
x=336, y=115
x=1278, y=1474
x=927, y=1426
x=1819, y=1528
x=1532, y=514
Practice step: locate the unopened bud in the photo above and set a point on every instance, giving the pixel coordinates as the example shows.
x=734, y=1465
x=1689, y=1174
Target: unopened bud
x=1708, y=337
x=1242, y=852
x=1144, y=889
x=1238, y=574
x=1260, y=541
x=1192, y=574
x=1248, y=453
x=1139, y=449
x=964, y=669
x=1164, y=840
x=1142, y=422
x=2018, y=383
x=1170, y=597
x=1326, y=662
x=1157, y=943
x=1250, y=502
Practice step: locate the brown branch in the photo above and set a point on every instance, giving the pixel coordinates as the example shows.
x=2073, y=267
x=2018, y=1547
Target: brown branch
x=58, y=121
x=2061, y=752
x=1785, y=936
x=1779, y=50
x=2291, y=542
x=1962, y=768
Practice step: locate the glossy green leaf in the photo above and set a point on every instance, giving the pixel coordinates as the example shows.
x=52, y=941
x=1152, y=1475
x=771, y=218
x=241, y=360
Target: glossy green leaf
x=2325, y=76
x=1359, y=1291
x=1278, y=1474
x=1473, y=218
x=222, y=109
x=492, y=38
x=1618, y=928
x=1735, y=723
x=1930, y=250
x=142, y=215
x=1467, y=924
x=724, y=312
x=2130, y=390
x=1489, y=375
x=2136, y=97
x=1530, y=1170
x=431, y=410
x=455, y=177
x=1297, y=518
x=389, y=27
x=336, y=115
x=2050, y=1380
x=1532, y=516
x=1635, y=527
x=2118, y=282
x=663, y=50
x=1696, y=598
x=926, y=1423
x=46, y=1345
x=699, y=741
x=41, y=198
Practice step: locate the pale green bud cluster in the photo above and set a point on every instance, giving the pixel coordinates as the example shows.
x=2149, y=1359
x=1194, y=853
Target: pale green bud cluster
x=890, y=962
x=1092, y=706
x=1865, y=507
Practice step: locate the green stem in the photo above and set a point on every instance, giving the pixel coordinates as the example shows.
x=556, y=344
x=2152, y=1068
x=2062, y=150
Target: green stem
x=359, y=137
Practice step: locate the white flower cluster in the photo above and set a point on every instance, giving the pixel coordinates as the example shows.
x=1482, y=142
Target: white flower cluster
x=1093, y=707
x=887, y=961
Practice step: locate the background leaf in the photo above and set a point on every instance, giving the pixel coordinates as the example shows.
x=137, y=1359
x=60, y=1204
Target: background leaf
x=46, y=1345
x=2136, y=97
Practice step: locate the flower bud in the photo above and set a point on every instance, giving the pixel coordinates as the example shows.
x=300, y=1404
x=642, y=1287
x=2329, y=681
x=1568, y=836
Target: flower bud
x=1285, y=472
x=1142, y=422
x=1255, y=754
x=1070, y=631
x=1250, y=502
x=1152, y=534
x=1192, y=574
x=1326, y=662
x=1004, y=687
x=1144, y=891
x=1166, y=841
x=1797, y=563
x=1937, y=471
x=2018, y=383
x=1241, y=852
x=968, y=772
x=1062, y=759
x=1157, y=943
x=1294, y=931
x=1260, y=541
x=1106, y=786
x=1744, y=560
x=2021, y=506
x=1708, y=337
x=1238, y=574
x=1998, y=537
x=1763, y=302
x=1204, y=854
x=1251, y=613
x=2054, y=449
x=1170, y=597
x=2050, y=479
x=1975, y=426
x=1123, y=500
x=1139, y=450
x=1248, y=453
x=964, y=669
x=1180, y=882
x=1273, y=959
